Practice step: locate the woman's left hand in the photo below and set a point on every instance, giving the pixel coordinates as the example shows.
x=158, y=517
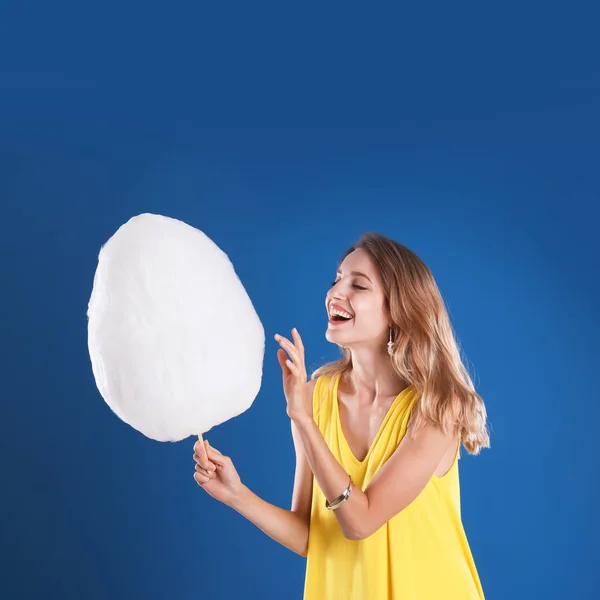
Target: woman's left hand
x=295, y=386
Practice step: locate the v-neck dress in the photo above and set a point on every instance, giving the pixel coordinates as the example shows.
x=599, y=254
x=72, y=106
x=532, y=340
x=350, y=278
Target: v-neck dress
x=422, y=553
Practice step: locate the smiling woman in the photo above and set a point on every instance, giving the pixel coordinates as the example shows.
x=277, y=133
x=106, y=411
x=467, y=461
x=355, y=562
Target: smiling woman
x=384, y=437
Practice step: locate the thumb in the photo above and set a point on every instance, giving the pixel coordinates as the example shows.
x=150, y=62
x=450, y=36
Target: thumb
x=281, y=358
x=216, y=456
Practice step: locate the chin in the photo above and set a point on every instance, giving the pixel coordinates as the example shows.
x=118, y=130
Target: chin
x=330, y=335
x=334, y=337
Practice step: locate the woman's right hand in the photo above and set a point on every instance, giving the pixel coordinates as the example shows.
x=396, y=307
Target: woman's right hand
x=215, y=473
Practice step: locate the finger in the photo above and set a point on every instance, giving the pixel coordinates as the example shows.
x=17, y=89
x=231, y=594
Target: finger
x=287, y=344
x=296, y=353
x=292, y=367
x=201, y=479
x=281, y=358
x=298, y=340
x=200, y=447
x=203, y=459
x=295, y=366
x=205, y=463
x=290, y=349
x=218, y=459
x=205, y=472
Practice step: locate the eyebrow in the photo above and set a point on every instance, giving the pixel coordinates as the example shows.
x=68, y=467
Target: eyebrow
x=358, y=273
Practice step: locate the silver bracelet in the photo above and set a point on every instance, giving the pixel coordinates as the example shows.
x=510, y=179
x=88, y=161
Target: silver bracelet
x=341, y=498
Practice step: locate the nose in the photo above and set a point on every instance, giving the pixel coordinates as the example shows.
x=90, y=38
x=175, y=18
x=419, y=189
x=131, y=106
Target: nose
x=334, y=294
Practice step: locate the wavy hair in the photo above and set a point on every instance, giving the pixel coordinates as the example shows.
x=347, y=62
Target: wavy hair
x=426, y=353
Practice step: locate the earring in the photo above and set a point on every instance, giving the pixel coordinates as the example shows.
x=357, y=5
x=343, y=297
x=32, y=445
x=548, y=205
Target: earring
x=390, y=345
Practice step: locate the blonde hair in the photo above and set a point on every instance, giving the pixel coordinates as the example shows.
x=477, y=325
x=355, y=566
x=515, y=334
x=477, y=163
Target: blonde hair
x=426, y=353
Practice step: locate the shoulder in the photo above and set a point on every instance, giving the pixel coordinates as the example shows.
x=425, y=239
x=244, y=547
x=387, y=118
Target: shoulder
x=311, y=383
x=322, y=384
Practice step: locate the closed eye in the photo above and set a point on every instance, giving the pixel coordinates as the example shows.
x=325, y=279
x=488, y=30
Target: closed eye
x=355, y=286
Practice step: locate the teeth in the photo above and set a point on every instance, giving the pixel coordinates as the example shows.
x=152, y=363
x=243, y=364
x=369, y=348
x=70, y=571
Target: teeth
x=335, y=311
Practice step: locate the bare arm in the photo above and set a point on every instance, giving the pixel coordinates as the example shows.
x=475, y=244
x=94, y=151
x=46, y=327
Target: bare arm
x=288, y=527
x=284, y=526
x=394, y=487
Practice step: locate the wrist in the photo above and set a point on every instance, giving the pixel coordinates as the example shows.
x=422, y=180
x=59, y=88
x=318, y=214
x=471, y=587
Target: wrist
x=302, y=421
x=239, y=498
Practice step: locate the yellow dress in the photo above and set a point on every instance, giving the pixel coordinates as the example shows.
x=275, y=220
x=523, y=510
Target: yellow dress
x=422, y=553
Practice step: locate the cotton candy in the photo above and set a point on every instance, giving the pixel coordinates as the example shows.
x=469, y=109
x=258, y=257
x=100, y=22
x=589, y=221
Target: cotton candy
x=175, y=343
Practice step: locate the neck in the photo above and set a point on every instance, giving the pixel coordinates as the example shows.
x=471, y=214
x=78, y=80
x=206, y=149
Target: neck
x=373, y=377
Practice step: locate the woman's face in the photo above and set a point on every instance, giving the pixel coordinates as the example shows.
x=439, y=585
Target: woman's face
x=361, y=297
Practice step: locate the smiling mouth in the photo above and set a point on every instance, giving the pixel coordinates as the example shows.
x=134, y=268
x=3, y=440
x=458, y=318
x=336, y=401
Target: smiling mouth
x=337, y=319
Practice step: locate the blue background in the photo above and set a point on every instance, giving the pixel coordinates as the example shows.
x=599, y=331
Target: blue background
x=469, y=133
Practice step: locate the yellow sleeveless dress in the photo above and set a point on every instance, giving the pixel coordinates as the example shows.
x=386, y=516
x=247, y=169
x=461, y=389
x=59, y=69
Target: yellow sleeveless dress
x=422, y=553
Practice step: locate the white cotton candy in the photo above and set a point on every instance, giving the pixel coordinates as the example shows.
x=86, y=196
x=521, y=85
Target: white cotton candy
x=175, y=343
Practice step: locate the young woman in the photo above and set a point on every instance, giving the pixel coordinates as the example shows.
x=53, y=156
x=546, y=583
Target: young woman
x=376, y=501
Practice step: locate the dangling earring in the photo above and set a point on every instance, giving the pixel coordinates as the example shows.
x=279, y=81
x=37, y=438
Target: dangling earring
x=390, y=345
